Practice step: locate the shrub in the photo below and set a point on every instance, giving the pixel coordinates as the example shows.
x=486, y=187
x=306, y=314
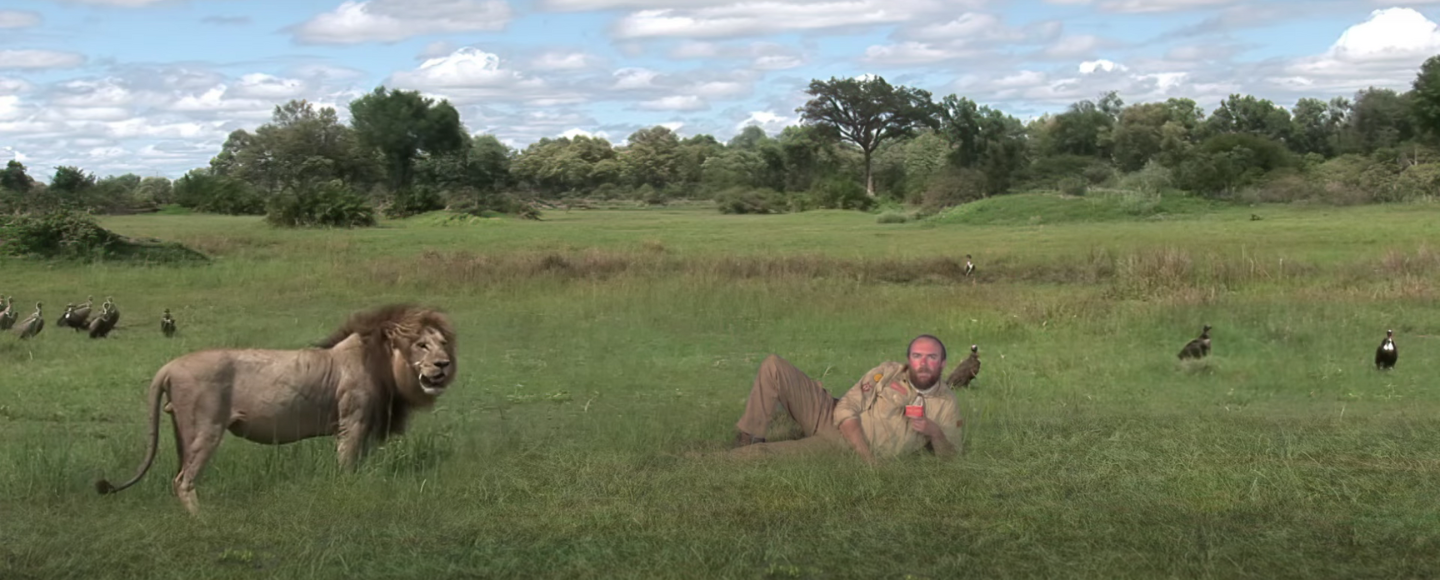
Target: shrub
x=892, y=217
x=413, y=200
x=742, y=200
x=75, y=235
x=839, y=192
x=953, y=187
x=326, y=204
x=1075, y=186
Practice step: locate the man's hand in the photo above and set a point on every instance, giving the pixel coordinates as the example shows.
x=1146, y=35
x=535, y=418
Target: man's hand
x=943, y=447
x=850, y=428
x=924, y=426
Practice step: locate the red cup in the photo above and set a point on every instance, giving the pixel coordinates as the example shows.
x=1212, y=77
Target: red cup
x=914, y=411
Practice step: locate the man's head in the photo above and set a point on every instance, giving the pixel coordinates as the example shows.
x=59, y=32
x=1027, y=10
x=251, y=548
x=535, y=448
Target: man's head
x=926, y=357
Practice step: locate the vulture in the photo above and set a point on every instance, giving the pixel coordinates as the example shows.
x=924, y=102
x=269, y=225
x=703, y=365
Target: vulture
x=32, y=325
x=966, y=370
x=101, y=326
x=1198, y=348
x=167, y=324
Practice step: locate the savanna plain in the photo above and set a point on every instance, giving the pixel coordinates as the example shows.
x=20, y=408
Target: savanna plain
x=604, y=356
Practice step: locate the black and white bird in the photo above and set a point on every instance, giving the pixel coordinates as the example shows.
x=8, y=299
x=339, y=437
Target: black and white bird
x=967, y=370
x=1198, y=348
x=969, y=266
x=1387, y=354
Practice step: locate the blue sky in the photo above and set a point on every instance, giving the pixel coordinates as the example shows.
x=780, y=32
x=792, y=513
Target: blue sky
x=154, y=86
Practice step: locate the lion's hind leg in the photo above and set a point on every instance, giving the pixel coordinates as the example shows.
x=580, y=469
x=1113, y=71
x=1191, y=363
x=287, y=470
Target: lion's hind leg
x=195, y=441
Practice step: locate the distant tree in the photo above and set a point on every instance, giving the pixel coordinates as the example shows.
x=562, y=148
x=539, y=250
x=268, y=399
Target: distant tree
x=402, y=125
x=1425, y=101
x=867, y=112
x=14, y=178
x=1379, y=118
x=652, y=157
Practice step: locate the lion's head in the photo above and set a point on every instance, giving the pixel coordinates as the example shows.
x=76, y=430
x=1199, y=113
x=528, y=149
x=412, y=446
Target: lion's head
x=415, y=346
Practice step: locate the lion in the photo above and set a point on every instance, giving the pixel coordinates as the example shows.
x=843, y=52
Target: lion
x=359, y=384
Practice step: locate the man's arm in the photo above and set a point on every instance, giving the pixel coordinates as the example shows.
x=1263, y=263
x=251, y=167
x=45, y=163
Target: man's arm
x=847, y=418
x=938, y=441
x=850, y=428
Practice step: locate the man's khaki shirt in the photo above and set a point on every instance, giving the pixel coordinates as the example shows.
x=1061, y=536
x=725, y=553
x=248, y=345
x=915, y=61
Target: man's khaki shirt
x=879, y=401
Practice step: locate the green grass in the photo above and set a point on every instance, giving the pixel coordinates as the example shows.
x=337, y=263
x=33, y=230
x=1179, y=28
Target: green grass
x=605, y=355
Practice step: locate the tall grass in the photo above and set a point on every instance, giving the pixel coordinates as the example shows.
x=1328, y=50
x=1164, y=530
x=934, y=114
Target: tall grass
x=604, y=357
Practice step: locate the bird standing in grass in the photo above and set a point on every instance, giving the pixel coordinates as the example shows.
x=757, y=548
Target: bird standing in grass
x=1387, y=354
x=167, y=324
x=101, y=326
x=7, y=314
x=967, y=370
x=32, y=325
x=969, y=266
x=1198, y=348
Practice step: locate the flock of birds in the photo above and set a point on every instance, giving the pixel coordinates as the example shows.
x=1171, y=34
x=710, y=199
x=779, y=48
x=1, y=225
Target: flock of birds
x=1385, y=355
x=76, y=316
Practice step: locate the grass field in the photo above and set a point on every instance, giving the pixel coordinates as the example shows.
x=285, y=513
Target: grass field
x=605, y=356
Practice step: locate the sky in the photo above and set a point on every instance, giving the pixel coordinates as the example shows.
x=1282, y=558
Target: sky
x=153, y=87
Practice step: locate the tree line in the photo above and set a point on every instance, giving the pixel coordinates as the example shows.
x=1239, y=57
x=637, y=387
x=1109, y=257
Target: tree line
x=859, y=142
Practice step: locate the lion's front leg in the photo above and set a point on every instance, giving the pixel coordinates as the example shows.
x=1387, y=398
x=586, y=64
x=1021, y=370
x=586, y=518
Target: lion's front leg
x=350, y=439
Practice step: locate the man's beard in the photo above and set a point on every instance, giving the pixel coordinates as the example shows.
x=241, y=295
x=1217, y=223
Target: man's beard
x=922, y=385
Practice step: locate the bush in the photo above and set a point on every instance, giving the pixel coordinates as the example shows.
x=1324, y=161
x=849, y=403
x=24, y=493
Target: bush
x=1153, y=178
x=203, y=192
x=413, y=200
x=741, y=200
x=892, y=217
x=1075, y=186
x=75, y=235
x=953, y=187
x=327, y=204
x=838, y=192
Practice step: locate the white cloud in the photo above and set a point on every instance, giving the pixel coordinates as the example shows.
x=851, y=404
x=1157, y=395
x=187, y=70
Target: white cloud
x=1073, y=46
x=968, y=27
x=760, y=17
x=1144, y=6
x=18, y=19
x=675, y=103
x=771, y=122
x=391, y=21
x=1090, y=66
x=558, y=61
x=578, y=132
x=268, y=87
x=634, y=78
x=34, y=58
x=470, y=74
x=9, y=107
x=1385, y=50
x=776, y=62
x=120, y=3
x=913, y=53
x=13, y=86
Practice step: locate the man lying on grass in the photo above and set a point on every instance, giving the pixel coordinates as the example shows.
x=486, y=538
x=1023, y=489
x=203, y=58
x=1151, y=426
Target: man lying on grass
x=893, y=410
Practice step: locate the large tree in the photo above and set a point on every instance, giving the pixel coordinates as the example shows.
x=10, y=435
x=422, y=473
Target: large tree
x=402, y=125
x=1425, y=98
x=867, y=112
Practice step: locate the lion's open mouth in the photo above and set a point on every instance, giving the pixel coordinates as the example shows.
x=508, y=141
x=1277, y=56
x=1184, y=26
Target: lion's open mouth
x=433, y=384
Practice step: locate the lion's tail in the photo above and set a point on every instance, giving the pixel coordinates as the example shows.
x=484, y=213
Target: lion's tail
x=158, y=387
